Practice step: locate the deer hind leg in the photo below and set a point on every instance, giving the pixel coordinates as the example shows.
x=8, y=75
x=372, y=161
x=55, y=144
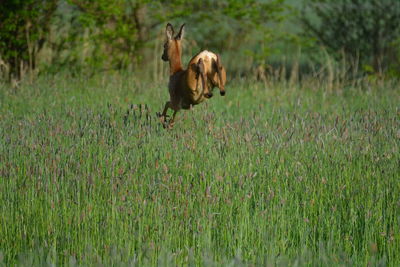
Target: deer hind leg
x=202, y=74
x=217, y=68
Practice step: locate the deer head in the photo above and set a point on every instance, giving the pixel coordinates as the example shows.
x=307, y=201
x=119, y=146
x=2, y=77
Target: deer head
x=172, y=45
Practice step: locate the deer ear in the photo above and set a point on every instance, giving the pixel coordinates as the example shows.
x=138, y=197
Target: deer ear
x=169, y=31
x=181, y=32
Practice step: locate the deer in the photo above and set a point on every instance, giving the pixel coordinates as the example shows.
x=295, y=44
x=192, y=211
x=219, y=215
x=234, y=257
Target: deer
x=193, y=85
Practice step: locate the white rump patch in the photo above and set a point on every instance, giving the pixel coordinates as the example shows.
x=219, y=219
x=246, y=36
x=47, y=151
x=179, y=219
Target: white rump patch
x=207, y=55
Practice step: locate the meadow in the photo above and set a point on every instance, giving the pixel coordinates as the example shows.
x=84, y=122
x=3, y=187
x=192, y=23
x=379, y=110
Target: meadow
x=270, y=174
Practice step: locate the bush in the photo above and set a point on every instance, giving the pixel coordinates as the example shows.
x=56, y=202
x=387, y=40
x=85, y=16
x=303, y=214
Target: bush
x=364, y=30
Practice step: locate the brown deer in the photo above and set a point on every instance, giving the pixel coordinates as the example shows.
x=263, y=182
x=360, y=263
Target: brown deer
x=191, y=86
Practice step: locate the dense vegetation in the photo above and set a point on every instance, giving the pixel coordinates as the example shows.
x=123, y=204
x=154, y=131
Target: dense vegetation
x=268, y=174
x=253, y=36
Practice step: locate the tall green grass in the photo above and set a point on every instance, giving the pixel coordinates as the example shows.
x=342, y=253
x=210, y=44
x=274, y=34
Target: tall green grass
x=267, y=175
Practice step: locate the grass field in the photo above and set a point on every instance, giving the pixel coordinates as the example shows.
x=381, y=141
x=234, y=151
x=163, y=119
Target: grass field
x=263, y=176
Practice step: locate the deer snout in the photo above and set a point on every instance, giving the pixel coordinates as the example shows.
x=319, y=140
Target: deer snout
x=164, y=57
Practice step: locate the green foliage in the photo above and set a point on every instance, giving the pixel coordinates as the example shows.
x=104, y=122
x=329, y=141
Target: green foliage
x=125, y=27
x=116, y=29
x=394, y=68
x=23, y=29
x=93, y=36
x=242, y=30
x=260, y=177
x=365, y=30
x=103, y=35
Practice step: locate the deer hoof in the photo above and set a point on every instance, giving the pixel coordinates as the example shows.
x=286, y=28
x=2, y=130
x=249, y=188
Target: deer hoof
x=165, y=124
x=208, y=95
x=222, y=93
x=170, y=125
x=163, y=120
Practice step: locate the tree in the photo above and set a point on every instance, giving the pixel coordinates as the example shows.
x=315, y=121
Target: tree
x=121, y=30
x=364, y=30
x=117, y=29
x=24, y=26
x=105, y=34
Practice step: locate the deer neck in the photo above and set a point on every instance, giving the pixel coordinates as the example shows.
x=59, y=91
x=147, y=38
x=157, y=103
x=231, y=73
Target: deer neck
x=175, y=62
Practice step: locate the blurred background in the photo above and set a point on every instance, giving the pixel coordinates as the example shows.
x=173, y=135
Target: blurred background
x=260, y=39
